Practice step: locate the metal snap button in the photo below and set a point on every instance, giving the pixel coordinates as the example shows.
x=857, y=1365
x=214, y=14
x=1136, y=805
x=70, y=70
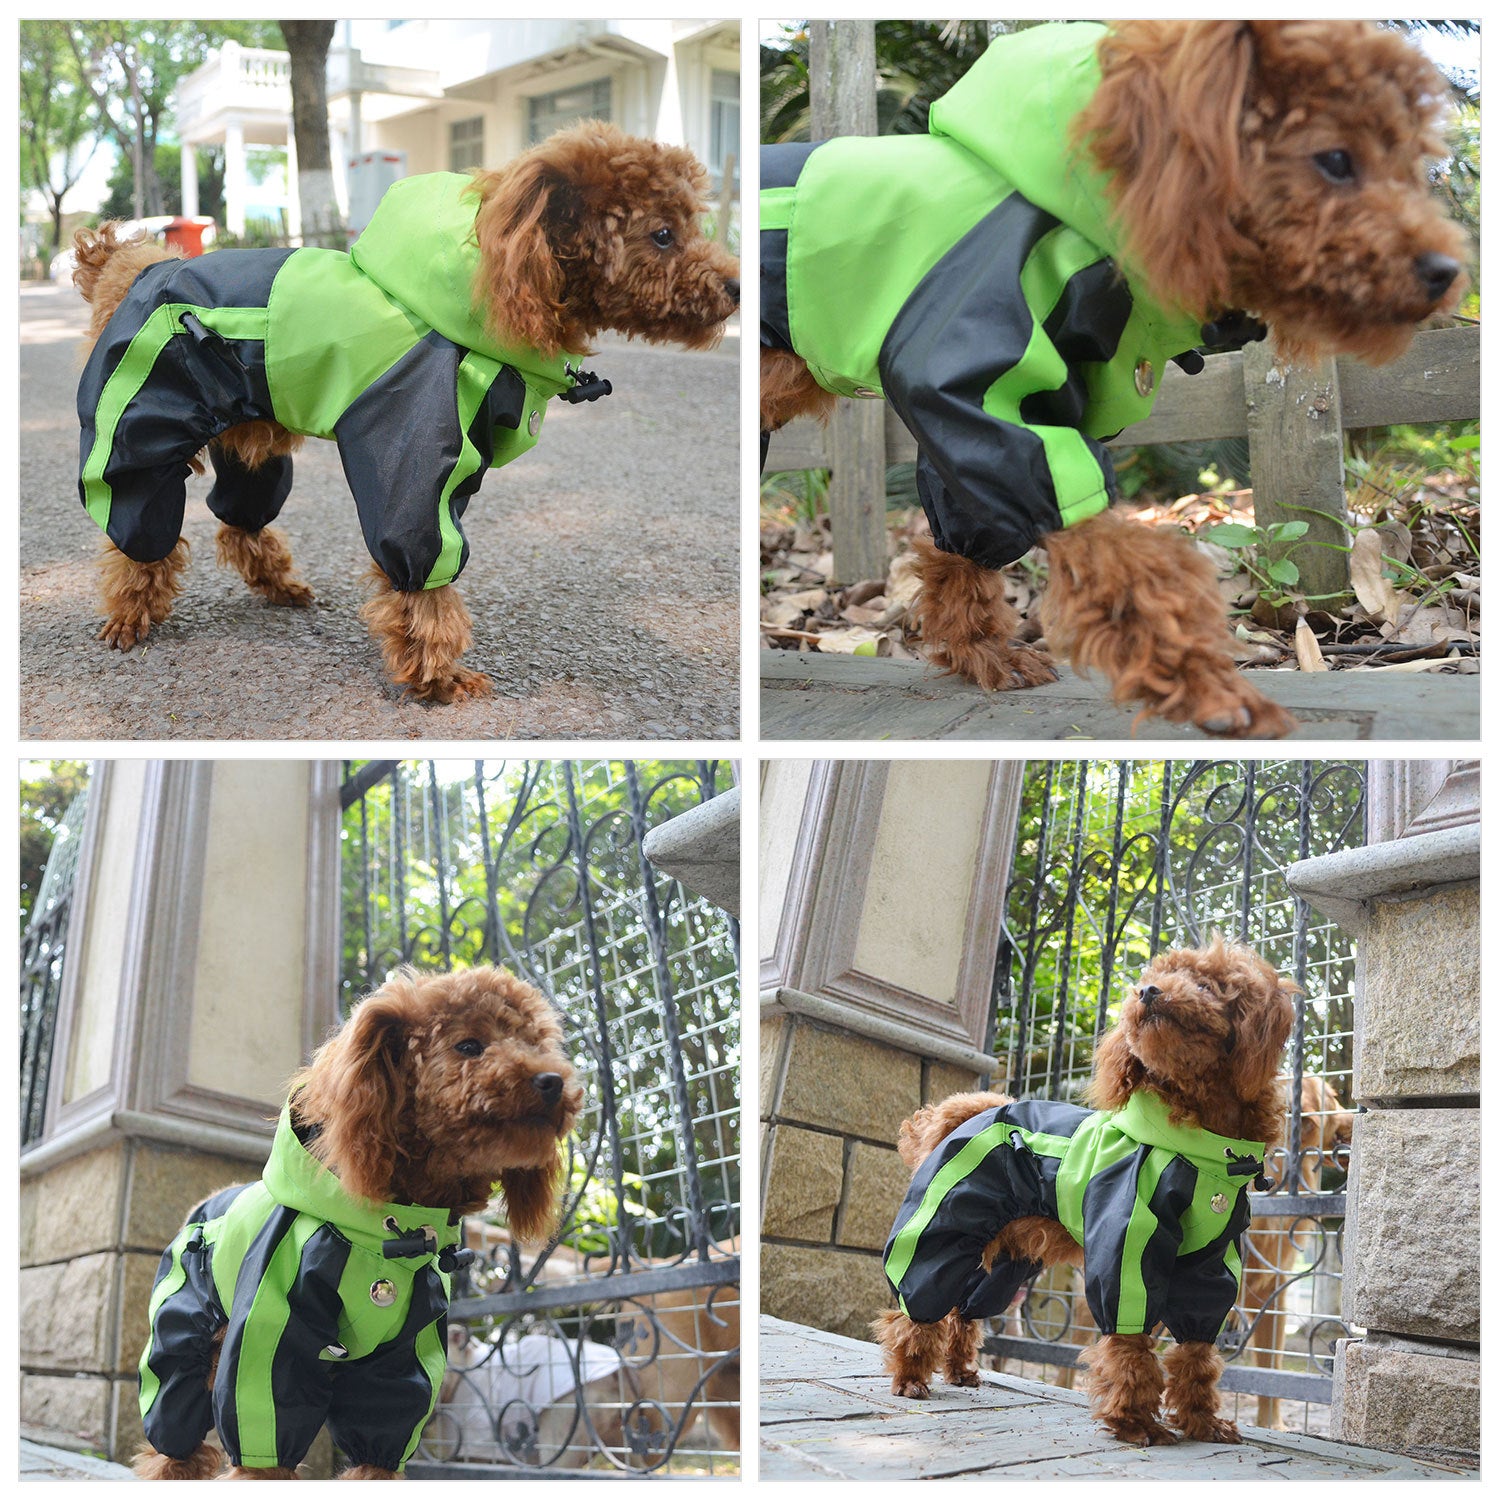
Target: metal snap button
x=1145, y=378
x=1219, y=1203
x=534, y=426
x=865, y=393
x=382, y=1294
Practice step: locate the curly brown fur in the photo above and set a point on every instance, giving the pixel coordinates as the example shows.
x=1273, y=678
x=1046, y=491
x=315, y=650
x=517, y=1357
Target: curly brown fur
x=591, y=230
x=203, y=1463
x=437, y=1087
x=1203, y=1029
x=135, y=596
x=1211, y=134
x=1143, y=607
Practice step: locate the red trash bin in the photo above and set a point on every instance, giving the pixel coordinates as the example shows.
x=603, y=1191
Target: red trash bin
x=187, y=234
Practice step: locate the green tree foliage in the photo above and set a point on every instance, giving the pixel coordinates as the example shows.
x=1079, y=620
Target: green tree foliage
x=47, y=788
x=56, y=135
x=118, y=204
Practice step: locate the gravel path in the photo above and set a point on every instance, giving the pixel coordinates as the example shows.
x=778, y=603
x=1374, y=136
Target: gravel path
x=603, y=579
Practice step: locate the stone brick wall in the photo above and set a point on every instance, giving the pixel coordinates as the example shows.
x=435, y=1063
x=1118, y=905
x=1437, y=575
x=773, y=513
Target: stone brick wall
x=831, y=1104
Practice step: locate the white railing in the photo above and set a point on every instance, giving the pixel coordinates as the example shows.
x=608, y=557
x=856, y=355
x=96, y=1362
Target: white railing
x=235, y=78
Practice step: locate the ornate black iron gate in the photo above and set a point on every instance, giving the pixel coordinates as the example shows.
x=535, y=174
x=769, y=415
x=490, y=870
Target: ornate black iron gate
x=1115, y=860
x=617, y=1347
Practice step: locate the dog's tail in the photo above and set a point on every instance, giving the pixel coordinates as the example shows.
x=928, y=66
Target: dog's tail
x=92, y=250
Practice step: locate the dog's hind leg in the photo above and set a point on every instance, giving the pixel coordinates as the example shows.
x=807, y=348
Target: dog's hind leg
x=912, y=1351
x=421, y=634
x=252, y=479
x=134, y=596
x=961, y=1356
x=967, y=623
x=264, y=560
x=1143, y=607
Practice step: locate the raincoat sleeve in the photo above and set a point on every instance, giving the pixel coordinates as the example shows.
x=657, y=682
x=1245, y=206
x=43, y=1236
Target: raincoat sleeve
x=1206, y=1284
x=415, y=445
x=984, y=364
x=176, y=1409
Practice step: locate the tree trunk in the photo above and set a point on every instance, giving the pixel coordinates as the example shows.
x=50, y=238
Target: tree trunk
x=307, y=42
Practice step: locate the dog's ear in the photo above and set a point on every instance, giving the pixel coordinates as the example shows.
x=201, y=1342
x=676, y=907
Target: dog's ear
x=1260, y=1034
x=532, y=1199
x=1164, y=126
x=524, y=209
x=356, y=1088
x=1118, y=1073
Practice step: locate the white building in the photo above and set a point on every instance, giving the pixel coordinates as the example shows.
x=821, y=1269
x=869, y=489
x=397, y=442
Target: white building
x=454, y=94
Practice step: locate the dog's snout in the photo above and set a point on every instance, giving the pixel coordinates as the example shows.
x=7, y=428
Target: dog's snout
x=732, y=287
x=549, y=1086
x=1149, y=995
x=1436, y=273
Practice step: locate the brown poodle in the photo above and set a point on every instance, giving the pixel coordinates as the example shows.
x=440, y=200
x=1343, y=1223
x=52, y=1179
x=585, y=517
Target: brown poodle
x=1251, y=170
x=1147, y=1193
x=318, y=1295
x=429, y=353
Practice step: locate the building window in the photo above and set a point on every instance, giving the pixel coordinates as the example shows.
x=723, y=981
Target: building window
x=549, y=112
x=723, y=123
x=466, y=144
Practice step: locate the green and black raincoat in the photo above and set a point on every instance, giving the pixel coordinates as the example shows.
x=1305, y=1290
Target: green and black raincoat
x=968, y=275
x=332, y=1310
x=1158, y=1208
x=381, y=350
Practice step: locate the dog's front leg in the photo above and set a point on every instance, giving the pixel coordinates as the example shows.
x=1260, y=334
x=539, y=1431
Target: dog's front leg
x=135, y=596
x=1143, y=607
x=1193, y=1393
x=421, y=635
x=1125, y=1385
x=967, y=623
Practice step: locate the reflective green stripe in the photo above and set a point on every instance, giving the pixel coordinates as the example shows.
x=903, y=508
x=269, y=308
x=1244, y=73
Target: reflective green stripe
x=1131, y=1312
x=476, y=374
x=776, y=207
x=904, y=1246
x=264, y=1322
x=171, y=1283
x=134, y=370
x=1077, y=480
x=434, y=1360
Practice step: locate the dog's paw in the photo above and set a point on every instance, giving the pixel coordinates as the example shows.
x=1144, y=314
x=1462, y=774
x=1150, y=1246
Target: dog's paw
x=964, y=1377
x=914, y=1390
x=293, y=593
x=1236, y=710
x=453, y=686
x=993, y=664
x=126, y=630
x=1144, y=1432
x=1203, y=1428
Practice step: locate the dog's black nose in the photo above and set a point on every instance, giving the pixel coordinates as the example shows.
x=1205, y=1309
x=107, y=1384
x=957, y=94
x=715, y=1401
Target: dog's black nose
x=549, y=1086
x=1436, y=273
x=733, y=288
x=1149, y=995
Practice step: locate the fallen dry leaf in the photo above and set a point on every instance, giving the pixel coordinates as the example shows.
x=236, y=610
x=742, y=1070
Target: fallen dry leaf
x=1309, y=656
x=1371, y=587
x=849, y=642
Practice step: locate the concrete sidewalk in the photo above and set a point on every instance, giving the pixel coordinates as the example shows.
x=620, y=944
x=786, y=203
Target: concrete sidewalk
x=603, y=579
x=807, y=696
x=38, y=1461
x=826, y=1412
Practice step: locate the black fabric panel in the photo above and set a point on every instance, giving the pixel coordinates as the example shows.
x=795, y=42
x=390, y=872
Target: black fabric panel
x=399, y=441
x=251, y=1273
x=200, y=385
x=181, y=1355
x=1204, y=1289
x=244, y=497
x=1006, y=1184
x=217, y=1206
x=780, y=166
x=1108, y=1202
x=985, y=485
x=379, y=1401
x=1085, y=327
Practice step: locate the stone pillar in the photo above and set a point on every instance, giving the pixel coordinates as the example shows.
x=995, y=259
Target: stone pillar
x=1411, y=1257
x=201, y=967
x=234, y=176
x=882, y=887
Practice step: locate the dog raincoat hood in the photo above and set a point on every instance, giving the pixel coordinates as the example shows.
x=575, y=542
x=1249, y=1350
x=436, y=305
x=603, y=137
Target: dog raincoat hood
x=1158, y=1208
x=968, y=276
x=319, y=1324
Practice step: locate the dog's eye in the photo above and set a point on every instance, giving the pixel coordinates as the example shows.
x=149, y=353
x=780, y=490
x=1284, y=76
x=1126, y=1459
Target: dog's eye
x=1336, y=166
x=662, y=238
x=469, y=1047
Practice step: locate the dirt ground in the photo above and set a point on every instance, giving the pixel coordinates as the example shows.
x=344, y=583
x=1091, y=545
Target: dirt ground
x=603, y=579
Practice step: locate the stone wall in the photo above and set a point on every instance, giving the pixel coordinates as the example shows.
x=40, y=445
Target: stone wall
x=831, y=1105
x=1412, y=1240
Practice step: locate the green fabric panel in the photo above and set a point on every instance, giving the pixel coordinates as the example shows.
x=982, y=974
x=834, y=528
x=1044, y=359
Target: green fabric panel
x=476, y=374
x=1094, y=1147
x=315, y=366
x=364, y=1327
x=434, y=1360
x=172, y=1282
x=512, y=442
x=965, y=1161
x=119, y=391
x=234, y=322
x=776, y=207
x=872, y=217
x=1145, y=1118
x=1143, y=1224
x=255, y=1407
